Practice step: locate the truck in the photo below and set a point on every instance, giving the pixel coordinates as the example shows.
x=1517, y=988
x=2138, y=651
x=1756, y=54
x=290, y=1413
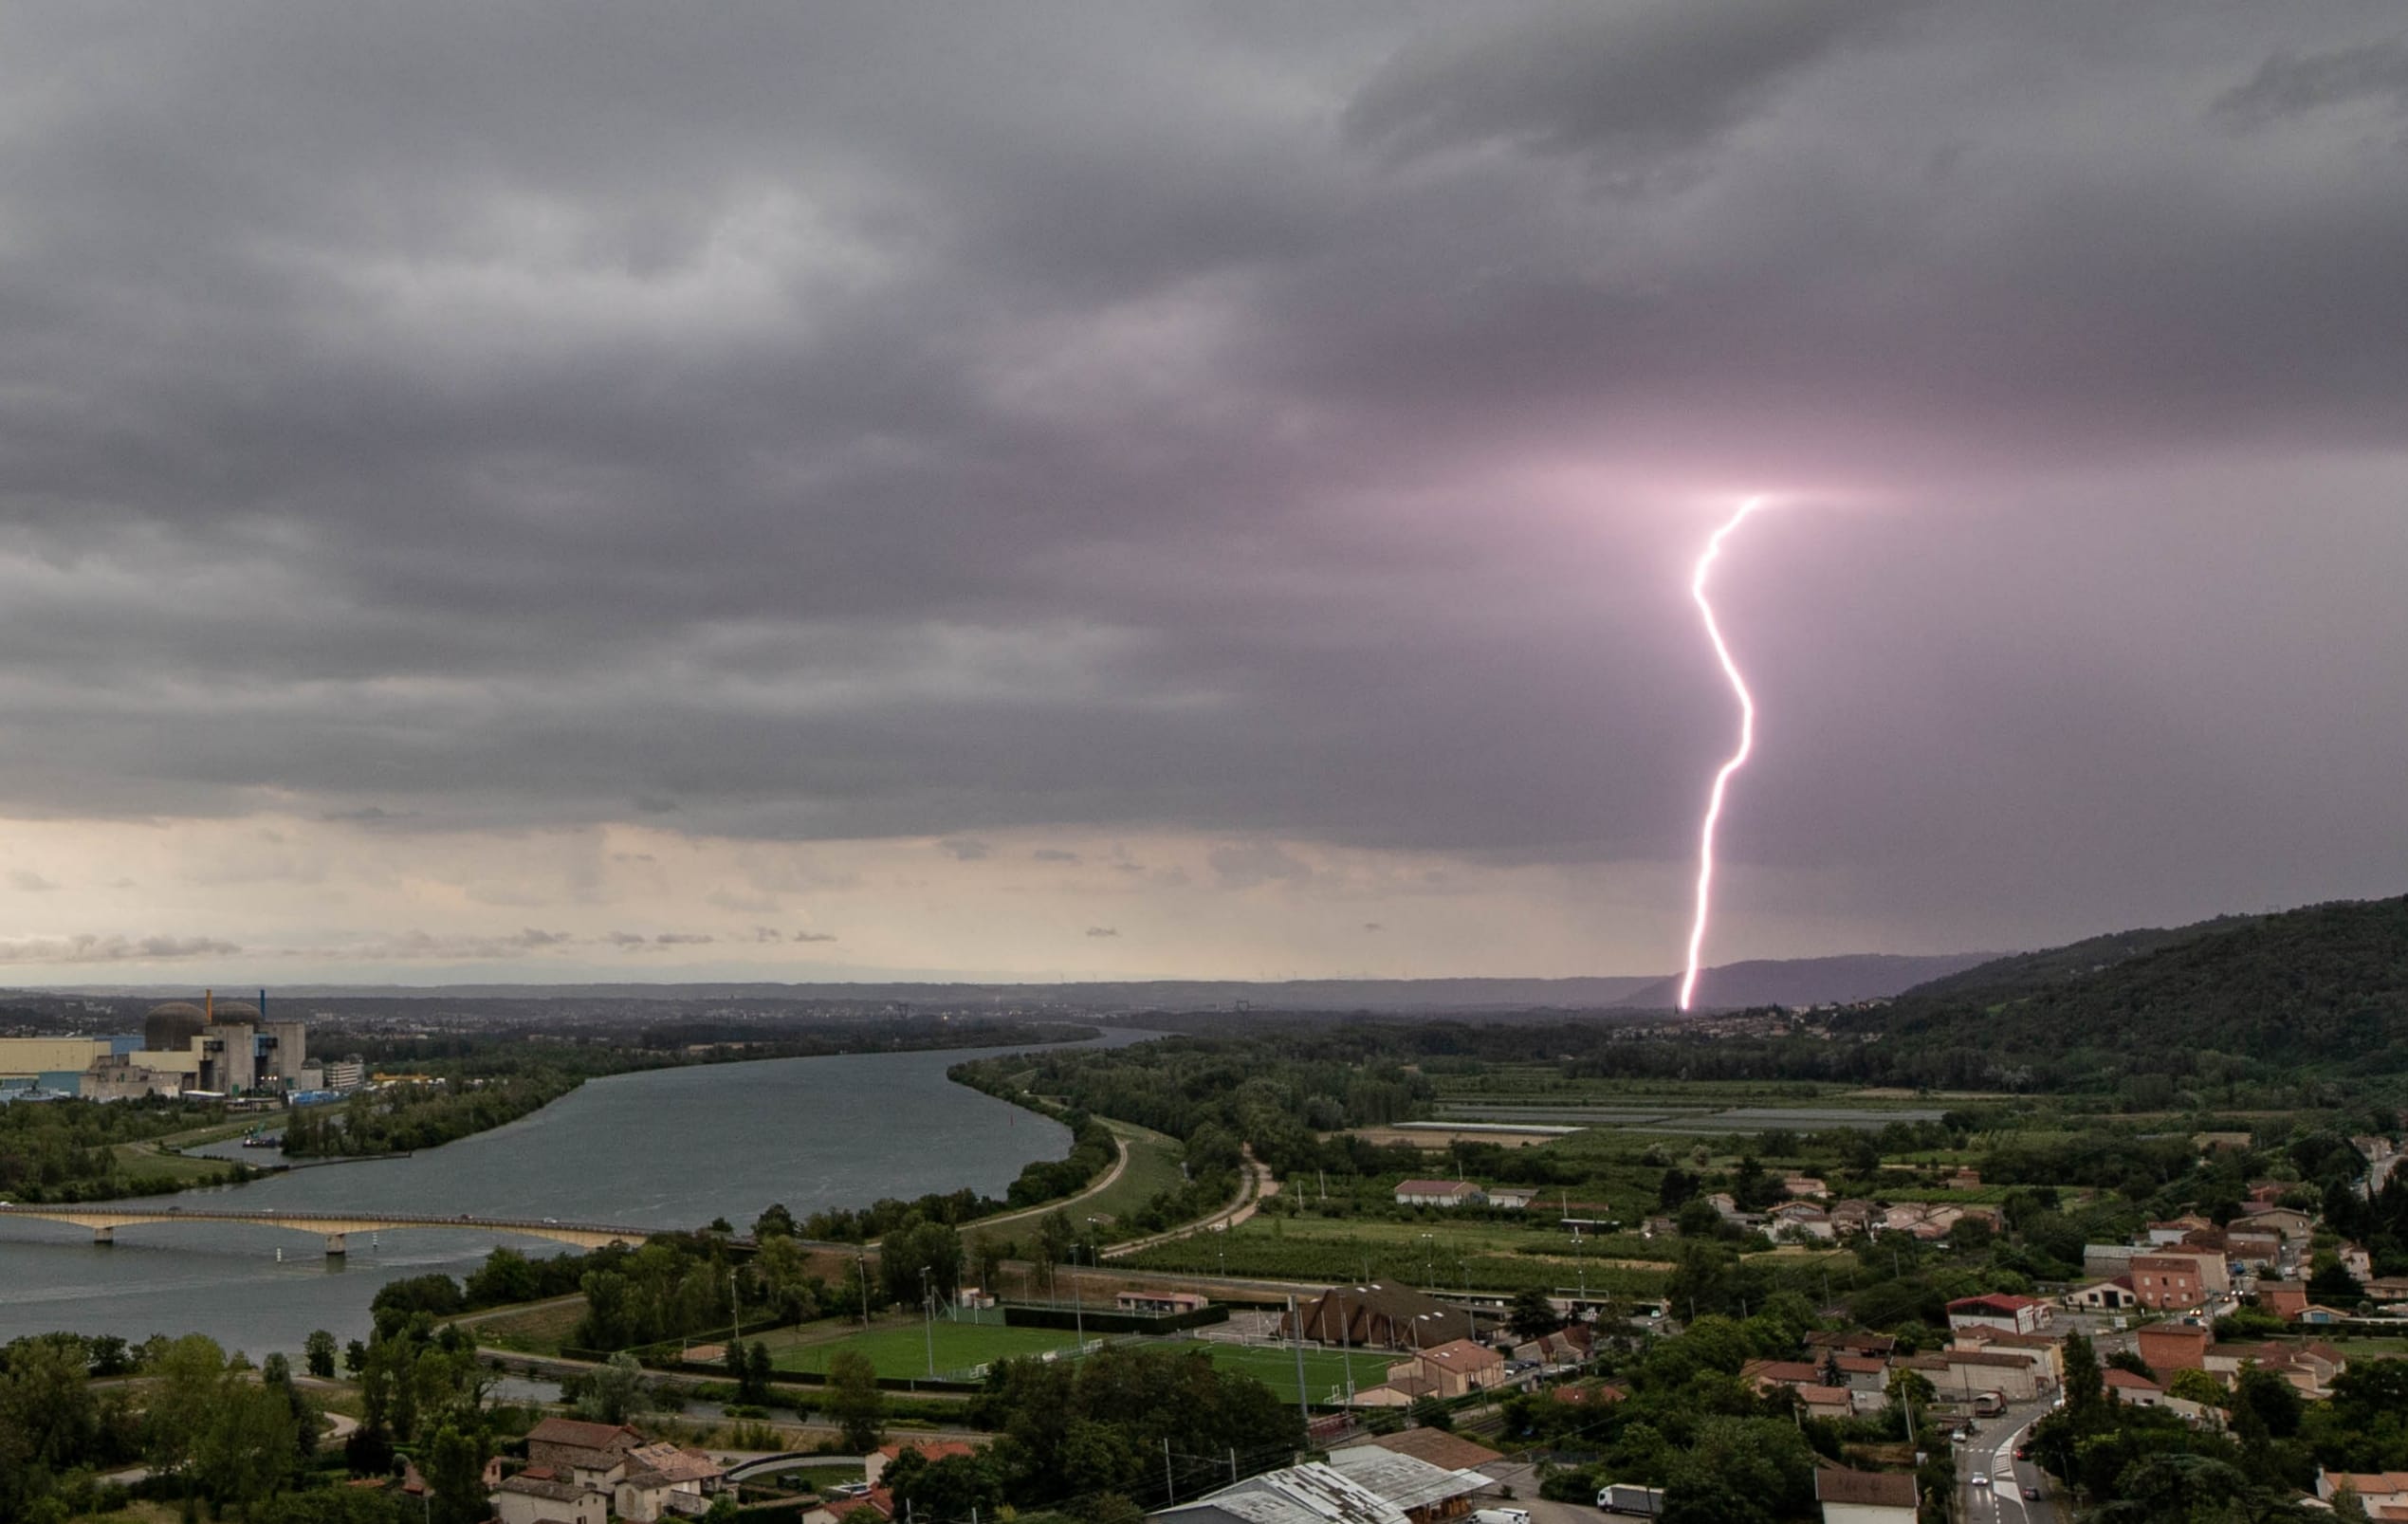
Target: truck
x=1626, y=1498
x=1989, y=1405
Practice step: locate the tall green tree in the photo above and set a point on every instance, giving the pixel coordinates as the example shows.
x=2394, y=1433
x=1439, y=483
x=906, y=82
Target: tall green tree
x=757, y=1372
x=854, y=1402
x=455, y=1473
x=247, y=1449
x=189, y=1385
x=2086, y=1386
x=1532, y=1315
x=1054, y=1237
x=318, y=1351
x=49, y=1421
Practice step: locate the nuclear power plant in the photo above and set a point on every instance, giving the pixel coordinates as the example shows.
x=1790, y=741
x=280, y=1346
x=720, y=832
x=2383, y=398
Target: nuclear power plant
x=214, y=1048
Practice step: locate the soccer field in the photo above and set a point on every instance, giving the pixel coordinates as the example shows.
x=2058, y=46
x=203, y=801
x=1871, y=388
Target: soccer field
x=1324, y=1369
x=904, y=1351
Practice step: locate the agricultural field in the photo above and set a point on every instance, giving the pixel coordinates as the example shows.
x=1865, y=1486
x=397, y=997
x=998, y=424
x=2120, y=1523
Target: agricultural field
x=901, y=1351
x=1479, y=1255
x=1453, y=1238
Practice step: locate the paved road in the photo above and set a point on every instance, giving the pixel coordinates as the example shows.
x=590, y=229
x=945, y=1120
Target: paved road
x=1255, y=1183
x=1523, y=1478
x=1104, y=1182
x=1995, y=1482
x=1989, y=1458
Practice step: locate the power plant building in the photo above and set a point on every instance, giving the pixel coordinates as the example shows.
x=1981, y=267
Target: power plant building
x=215, y=1048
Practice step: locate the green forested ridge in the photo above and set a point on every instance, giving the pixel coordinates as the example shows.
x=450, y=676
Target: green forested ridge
x=2320, y=988
x=2019, y=973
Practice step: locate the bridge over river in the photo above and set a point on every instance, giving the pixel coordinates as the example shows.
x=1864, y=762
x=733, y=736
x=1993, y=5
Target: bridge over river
x=105, y=1219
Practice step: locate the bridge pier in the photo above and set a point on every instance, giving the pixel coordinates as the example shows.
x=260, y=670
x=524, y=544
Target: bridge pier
x=107, y=1234
x=336, y=1248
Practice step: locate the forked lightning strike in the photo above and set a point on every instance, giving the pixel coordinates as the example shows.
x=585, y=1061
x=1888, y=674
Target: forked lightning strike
x=1739, y=759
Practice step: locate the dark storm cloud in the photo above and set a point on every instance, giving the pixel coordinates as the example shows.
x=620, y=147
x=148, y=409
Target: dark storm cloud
x=1629, y=85
x=2293, y=85
x=1248, y=420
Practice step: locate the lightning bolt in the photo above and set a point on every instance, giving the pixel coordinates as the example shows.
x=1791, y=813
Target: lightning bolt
x=1737, y=759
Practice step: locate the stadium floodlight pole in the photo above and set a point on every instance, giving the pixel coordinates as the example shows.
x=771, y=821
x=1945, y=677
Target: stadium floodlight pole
x=1303, y=1403
x=927, y=1318
x=1079, y=1301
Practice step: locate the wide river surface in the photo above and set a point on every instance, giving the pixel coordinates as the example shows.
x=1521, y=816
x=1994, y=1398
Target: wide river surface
x=670, y=1149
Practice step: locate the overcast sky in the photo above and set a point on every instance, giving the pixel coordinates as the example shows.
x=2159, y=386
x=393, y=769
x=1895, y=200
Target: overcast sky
x=1131, y=489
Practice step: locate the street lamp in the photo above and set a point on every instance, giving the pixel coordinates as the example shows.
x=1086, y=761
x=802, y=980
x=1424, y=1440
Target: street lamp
x=928, y=1317
x=1429, y=1262
x=1079, y=1299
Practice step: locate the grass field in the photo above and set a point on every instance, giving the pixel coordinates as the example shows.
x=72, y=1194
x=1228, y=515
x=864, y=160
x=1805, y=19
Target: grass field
x=542, y=1330
x=2375, y=1349
x=1324, y=1369
x=902, y=1350
x=147, y=1158
x=1154, y=1168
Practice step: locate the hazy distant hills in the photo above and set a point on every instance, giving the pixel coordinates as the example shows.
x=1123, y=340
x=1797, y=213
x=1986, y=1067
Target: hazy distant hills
x=1764, y=982
x=1098, y=995
x=1794, y=982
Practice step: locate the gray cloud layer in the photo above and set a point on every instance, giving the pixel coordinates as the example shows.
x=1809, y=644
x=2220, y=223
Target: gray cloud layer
x=1241, y=419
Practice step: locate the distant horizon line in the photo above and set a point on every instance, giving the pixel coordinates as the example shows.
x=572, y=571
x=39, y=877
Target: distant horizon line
x=333, y=988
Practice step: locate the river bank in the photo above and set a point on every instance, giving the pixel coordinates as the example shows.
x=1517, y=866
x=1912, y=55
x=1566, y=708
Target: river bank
x=670, y=1147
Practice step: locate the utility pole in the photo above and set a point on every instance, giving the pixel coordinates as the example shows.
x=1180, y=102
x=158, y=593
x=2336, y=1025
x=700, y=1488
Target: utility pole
x=928, y=1317
x=1346, y=1352
x=735, y=1310
x=1169, y=1483
x=1078, y=1305
x=861, y=1262
x=1303, y=1406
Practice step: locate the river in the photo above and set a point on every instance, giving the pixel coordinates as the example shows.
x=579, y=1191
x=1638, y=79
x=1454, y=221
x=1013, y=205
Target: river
x=670, y=1147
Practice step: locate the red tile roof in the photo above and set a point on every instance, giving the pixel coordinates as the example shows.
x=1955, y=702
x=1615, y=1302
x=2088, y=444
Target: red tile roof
x=1884, y=1489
